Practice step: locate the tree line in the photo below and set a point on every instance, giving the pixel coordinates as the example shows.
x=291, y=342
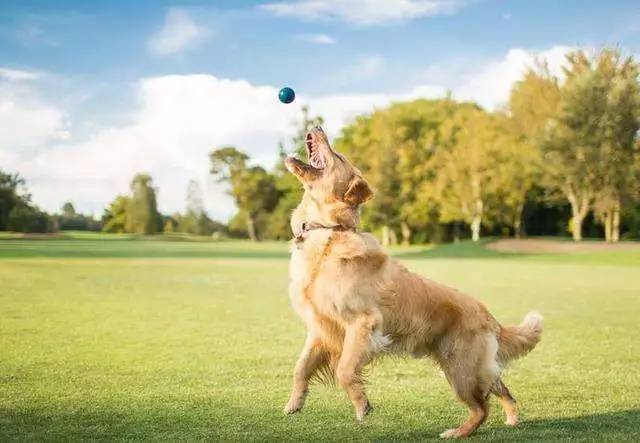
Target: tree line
x=136, y=212
x=561, y=158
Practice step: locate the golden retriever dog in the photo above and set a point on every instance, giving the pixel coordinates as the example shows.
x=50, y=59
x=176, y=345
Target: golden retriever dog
x=358, y=303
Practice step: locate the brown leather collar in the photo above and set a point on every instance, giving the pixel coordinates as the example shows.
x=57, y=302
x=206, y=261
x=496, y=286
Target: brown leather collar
x=311, y=226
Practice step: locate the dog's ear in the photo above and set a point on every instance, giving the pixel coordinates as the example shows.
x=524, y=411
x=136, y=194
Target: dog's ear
x=358, y=192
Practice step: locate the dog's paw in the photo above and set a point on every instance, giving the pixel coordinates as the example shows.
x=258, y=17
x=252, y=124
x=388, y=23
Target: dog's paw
x=293, y=405
x=450, y=433
x=512, y=420
x=292, y=408
x=364, y=411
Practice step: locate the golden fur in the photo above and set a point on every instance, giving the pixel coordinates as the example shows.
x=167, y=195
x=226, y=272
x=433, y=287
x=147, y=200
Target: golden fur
x=358, y=303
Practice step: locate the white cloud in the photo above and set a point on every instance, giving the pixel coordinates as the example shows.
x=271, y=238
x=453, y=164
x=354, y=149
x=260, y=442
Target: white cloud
x=178, y=33
x=317, y=39
x=338, y=110
x=18, y=75
x=490, y=85
x=363, y=12
x=179, y=119
x=28, y=122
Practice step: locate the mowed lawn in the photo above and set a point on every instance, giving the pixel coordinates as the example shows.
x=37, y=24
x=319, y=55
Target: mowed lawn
x=113, y=338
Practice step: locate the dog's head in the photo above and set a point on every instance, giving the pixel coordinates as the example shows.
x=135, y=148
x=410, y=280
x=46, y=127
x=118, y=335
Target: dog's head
x=333, y=188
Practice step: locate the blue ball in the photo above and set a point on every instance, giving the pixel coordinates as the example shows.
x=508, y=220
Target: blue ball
x=286, y=95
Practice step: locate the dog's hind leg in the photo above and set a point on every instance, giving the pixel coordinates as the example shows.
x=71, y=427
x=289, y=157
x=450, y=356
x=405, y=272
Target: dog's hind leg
x=472, y=372
x=356, y=353
x=312, y=358
x=476, y=400
x=507, y=401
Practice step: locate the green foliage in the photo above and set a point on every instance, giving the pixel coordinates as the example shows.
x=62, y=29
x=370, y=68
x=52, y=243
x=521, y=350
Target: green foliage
x=26, y=218
x=70, y=220
x=533, y=102
x=191, y=223
x=253, y=189
x=589, y=147
x=393, y=148
x=16, y=211
x=433, y=162
x=142, y=216
x=10, y=196
x=115, y=216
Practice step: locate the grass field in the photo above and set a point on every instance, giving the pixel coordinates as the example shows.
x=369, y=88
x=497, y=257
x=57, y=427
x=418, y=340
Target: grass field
x=113, y=338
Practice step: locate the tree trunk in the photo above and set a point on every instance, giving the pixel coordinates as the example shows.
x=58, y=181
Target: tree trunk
x=579, y=210
x=576, y=227
x=385, y=236
x=406, y=233
x=608, y=218
x=517, y=221
x=516, y=228
x=393, y=238
x=476, y=221
x=251, y=228
x=615, y=224
x=456, y=232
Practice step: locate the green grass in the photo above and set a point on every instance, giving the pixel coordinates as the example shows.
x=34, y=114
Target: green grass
x=184, y=340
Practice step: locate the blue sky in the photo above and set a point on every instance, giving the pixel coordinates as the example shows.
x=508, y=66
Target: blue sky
x=91, y=92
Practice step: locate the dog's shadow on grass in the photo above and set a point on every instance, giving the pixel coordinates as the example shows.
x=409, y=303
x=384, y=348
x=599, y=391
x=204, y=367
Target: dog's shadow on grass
x=612, y=426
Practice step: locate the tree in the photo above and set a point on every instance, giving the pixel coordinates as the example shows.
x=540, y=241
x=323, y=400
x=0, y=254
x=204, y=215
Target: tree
x=534, y=101
x=142, y=213
x=467, y=161
x=393, y=148
x=252, y=187
x=195, y=202
x=68, y=210
x=190, y=221
x=17, y=213
x=369, y=143
x=619, y=125
x=195, y=219
x=114, y=218
x=26, y=218
x=10, y=196
x=517, y=170
x=69, y=219
x=589, y=147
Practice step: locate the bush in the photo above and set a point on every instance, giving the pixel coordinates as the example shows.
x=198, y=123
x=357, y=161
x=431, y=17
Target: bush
x=24, y=218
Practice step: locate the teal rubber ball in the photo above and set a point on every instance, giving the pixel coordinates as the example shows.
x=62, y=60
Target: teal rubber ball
x=286, y=95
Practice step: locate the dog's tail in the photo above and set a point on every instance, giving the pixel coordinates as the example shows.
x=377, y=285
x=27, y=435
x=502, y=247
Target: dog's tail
x=516, y=341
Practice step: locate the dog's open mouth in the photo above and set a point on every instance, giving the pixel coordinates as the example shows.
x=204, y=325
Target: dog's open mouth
x=319, y=155
x=314, y=154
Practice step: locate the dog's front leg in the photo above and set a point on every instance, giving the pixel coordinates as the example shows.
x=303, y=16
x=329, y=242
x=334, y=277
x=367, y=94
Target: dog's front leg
x=313, y=356
x=356, y=353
